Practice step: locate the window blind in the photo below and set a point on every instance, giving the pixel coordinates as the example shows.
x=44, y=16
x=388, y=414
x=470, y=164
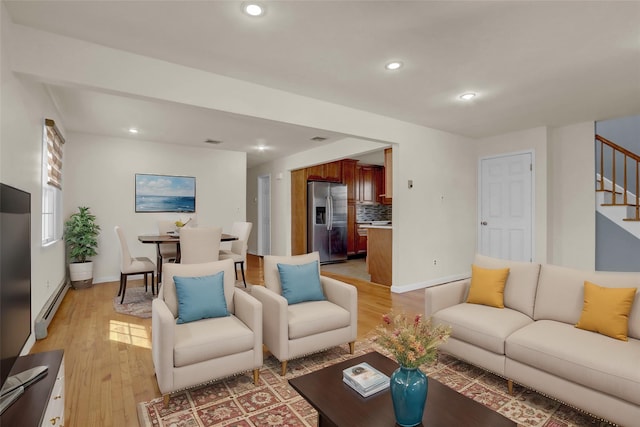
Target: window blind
x=54, y=154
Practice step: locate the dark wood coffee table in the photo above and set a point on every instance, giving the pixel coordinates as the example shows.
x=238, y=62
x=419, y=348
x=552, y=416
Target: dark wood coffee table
x=340, y=406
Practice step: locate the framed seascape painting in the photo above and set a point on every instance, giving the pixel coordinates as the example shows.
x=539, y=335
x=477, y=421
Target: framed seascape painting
x=165, y=193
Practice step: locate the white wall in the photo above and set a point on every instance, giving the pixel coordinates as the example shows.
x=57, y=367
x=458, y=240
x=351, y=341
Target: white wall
x=24, y=106
x=572, y=227
x=99, y=172
x=435, y=220
x=535, y=140
x=430, y=221
x=564, y=225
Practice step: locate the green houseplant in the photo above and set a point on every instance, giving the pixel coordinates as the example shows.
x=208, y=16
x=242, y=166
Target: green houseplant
x=81, y=234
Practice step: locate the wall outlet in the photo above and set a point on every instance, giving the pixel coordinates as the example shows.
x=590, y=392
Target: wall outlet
x=435, y=262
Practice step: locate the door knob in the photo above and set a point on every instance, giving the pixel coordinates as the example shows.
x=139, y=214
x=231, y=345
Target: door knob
x=483, y=223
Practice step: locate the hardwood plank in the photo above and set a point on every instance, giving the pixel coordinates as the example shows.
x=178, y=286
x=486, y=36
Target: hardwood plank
x=108, y=355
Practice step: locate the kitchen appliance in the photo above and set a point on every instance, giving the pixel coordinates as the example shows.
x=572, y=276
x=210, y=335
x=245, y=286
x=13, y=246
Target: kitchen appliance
x=327, y=220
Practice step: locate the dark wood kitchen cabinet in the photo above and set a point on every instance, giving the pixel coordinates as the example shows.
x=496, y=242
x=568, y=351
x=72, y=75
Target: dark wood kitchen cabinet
x=325, y=172
x=369, y=185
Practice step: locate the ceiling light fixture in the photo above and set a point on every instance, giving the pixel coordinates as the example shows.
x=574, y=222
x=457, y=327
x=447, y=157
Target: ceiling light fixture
x=253, y=9
x=133, y=130
x=262, y=147
x=467, y=96
x=393, y=65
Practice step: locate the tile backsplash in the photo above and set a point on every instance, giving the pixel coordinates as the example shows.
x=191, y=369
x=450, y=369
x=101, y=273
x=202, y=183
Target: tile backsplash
x=365, y=213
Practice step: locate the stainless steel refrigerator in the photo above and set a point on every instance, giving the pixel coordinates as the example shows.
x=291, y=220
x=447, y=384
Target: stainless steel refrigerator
x=327, y=220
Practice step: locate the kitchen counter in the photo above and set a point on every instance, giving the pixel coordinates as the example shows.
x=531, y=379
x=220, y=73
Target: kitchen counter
x=387, y=227
x=379, y=251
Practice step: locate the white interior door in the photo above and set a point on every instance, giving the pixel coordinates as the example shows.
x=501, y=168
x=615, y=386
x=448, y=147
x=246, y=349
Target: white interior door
x=506, y=207
x=264, y=215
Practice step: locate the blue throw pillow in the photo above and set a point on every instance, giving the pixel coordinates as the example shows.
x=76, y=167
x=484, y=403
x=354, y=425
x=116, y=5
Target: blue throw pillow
x=301, y=282
x=200, y=297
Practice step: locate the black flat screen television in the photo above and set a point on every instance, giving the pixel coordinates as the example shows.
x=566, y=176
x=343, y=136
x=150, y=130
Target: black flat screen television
x=15, y=275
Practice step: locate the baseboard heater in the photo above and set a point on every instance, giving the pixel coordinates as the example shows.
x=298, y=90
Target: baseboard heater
x=49, y=310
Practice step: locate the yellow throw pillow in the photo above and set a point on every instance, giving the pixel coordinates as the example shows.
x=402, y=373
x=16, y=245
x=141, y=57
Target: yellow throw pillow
x=487, y=286
x=606, y=310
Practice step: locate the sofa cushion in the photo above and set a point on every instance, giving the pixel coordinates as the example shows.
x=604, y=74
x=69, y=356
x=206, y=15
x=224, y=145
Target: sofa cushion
x=481, y=325
x=200, y=297
x=520, y=288
x=314, y=317
x=194, y=344
x=487, y=286
x=301, y=282
x=606, y=310
x=587, y=358
x=560, y=294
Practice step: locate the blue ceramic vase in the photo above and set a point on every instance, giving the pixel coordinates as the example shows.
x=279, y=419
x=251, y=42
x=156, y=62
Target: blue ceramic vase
x=409, y=393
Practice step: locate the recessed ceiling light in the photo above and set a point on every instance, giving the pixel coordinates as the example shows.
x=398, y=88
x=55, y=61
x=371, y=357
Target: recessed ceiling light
x=133, y=130
x=262, y=147
x=253, y=9
x=467, y=96
x=393, y=65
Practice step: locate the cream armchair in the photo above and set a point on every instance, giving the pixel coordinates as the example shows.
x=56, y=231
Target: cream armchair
x=294, y=330
x=200, y=351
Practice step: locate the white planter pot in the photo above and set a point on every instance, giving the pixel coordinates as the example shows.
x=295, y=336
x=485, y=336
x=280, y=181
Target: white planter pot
x=81, y=274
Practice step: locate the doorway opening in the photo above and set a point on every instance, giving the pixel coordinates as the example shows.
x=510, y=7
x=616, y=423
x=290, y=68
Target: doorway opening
x=264, y=215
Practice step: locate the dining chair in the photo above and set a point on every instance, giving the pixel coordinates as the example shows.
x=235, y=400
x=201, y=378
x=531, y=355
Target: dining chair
x=238, y=252
x=167, y=252
x=130, y=265
x=199, y=244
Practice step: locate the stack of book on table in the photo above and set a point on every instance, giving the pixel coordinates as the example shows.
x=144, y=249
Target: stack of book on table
x=365, y=379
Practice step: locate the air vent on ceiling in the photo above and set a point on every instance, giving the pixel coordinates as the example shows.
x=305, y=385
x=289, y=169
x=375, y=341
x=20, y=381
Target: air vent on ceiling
x=318, y=138
x=212, y=141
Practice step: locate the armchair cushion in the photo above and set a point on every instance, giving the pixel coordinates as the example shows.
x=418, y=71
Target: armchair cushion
x=195, y=270
x=200, y=297
x=301, y=282
x=195, y=342
x=311, y=318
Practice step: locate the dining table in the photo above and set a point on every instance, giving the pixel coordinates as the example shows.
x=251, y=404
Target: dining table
x=161, y=239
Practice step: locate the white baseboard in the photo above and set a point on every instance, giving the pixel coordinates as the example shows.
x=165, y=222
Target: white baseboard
x=429, y=283
x=111, y=279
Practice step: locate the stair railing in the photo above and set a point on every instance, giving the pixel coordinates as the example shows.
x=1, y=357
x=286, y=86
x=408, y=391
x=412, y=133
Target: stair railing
x=627, y=156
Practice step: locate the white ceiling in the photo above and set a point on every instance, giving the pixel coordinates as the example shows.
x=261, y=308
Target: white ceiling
x=531, y=63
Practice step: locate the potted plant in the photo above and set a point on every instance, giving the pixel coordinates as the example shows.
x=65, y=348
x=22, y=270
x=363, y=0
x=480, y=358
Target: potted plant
x=413, y=341
x=81, y=235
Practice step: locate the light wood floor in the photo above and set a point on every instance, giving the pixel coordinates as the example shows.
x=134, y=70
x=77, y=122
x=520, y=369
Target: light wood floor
x=108, y=355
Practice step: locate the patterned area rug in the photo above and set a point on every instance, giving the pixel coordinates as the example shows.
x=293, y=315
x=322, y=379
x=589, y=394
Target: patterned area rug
x=137, y=302
x=236, y=402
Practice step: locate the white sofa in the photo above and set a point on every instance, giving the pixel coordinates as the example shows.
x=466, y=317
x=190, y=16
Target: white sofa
x=533, y=341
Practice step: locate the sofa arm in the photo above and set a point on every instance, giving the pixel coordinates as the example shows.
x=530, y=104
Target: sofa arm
x=344, y=295
x=249, y=311
x=275, y=327
x=442, y=296
x=162, y=342
x=340, y=293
